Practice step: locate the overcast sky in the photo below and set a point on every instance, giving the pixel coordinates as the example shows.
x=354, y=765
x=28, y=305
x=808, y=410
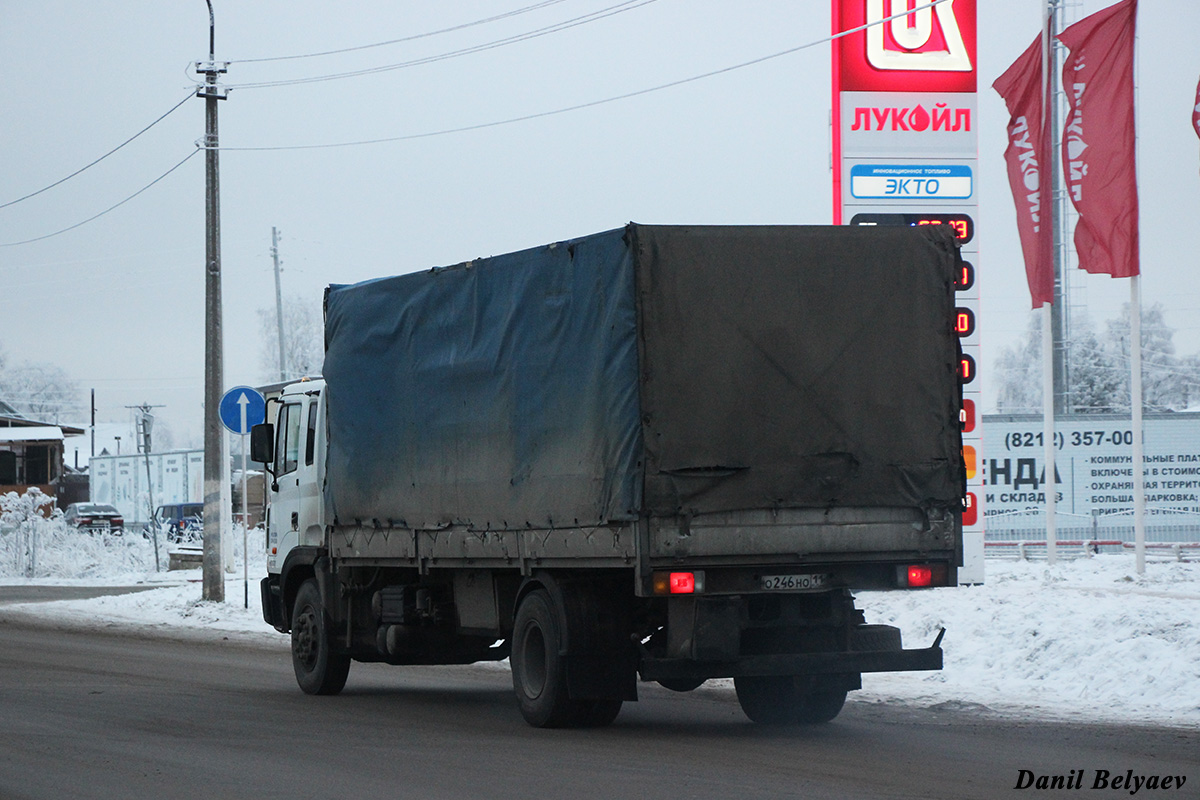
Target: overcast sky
x=119, y=302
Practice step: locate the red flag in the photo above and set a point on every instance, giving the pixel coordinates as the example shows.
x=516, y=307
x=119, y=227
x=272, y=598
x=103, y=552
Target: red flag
x=1099, y=164
x=1196, y=112
x=1028, y=158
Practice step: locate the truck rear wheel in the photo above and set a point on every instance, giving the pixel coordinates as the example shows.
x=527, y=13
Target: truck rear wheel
x=320, y=667
x=538, y=669
x=787, y=700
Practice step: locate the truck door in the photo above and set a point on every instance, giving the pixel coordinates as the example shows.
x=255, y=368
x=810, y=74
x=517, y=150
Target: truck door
x=307, y=478
x=284, y=533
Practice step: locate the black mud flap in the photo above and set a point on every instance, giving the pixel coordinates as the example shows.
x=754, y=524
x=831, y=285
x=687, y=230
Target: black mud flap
x=272, y=604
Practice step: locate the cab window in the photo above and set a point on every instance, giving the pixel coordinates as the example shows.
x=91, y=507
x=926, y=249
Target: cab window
x=287, y=444
x=310, y=442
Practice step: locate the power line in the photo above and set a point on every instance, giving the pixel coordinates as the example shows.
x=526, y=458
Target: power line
x=190, y=95
x=105, y=211
x=414, y=37
x=590, y=104
x=627, y=5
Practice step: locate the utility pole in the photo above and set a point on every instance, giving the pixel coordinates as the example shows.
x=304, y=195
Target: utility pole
x=214, y=379
x=278, y=302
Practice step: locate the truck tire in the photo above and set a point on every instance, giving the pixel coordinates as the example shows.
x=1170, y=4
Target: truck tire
x=598, y=713
x=877, y=637
x=320, y=667
x=787, y=700
x=538, y=669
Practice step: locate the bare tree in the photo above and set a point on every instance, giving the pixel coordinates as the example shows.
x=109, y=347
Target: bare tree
x=303, y=339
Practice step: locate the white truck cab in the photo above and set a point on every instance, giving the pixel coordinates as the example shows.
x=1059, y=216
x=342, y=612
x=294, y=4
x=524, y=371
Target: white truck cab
x=296, y=516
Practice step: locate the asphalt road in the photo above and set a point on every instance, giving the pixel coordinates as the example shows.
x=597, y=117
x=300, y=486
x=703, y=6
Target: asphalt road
x=95, y=715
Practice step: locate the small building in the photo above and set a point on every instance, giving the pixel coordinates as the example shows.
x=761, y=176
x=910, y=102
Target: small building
x=31, y=452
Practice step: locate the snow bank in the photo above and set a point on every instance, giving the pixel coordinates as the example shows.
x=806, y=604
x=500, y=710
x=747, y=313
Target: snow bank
x=1086, y=638
x=36, y=543
x=175, y=609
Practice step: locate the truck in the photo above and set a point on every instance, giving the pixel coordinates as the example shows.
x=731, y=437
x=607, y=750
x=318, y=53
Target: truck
x=654, y=454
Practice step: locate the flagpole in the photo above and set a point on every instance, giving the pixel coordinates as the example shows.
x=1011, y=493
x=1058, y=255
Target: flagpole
x=1048, y=308
x=1048, y=432
x=1135, y=405
x=1135, y=378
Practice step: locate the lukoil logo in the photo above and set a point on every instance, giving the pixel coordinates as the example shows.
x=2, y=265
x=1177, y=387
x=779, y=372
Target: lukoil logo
x=913, y=41
x=924, y=49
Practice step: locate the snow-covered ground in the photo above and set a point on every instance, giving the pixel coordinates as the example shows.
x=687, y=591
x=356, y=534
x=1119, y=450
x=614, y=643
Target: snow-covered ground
x=1086, y=639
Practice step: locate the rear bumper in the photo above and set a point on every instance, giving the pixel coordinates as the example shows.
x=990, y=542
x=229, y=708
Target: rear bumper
x=929, y=658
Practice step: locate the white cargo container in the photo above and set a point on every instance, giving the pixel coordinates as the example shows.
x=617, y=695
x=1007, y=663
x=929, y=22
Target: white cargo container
x=174, y=477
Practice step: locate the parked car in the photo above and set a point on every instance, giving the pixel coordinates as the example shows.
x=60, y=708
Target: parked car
x=95, y=518
x=179, y=522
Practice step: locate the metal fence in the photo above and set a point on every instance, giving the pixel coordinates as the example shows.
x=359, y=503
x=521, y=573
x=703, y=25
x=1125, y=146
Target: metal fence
x=1170, y=533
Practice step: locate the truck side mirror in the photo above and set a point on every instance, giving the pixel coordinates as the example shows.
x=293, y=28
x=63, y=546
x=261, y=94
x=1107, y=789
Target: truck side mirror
x=262, y=443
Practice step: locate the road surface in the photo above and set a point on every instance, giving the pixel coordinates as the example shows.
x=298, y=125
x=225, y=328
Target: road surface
x=102, y=715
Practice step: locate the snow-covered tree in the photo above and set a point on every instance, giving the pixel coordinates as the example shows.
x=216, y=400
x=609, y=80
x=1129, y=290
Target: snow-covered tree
x=1019, y=367
x=1094, y=373
x=1163, y=374
x=1189, y=366
x=303, y=339
x=40, y=391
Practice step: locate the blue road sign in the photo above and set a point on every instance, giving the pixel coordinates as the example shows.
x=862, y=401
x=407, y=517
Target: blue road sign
x=241, y=408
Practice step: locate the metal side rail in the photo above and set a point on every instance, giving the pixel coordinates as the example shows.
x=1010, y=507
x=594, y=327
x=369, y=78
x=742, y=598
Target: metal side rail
x=929, y=658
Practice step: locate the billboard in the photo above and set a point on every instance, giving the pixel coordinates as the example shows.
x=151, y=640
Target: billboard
x=1092, y=464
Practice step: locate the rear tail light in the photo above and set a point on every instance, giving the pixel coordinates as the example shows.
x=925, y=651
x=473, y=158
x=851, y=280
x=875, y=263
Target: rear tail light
x=917, y=576
x=920, y=576
x=118, y=522
x=678, y=582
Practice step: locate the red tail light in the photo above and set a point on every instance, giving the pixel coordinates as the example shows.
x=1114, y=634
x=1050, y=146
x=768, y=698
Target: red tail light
x=679, y=582
x=920, y=576
x=683, y=583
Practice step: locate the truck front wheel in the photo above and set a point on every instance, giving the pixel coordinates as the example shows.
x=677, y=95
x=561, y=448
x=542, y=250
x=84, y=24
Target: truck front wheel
x=320, y=667
x=786, y=700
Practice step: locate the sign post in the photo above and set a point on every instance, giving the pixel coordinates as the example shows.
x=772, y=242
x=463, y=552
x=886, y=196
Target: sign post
x=241, y=409
x=906, y=152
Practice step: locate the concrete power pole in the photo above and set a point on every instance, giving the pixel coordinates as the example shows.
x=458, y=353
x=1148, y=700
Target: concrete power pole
x=278, y=303
x=214, y=379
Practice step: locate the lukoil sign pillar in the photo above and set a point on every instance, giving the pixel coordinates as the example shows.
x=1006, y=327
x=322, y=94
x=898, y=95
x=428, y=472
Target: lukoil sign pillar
x=905, y=152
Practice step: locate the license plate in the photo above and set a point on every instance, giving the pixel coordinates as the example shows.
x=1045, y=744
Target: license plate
x=793, y=583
